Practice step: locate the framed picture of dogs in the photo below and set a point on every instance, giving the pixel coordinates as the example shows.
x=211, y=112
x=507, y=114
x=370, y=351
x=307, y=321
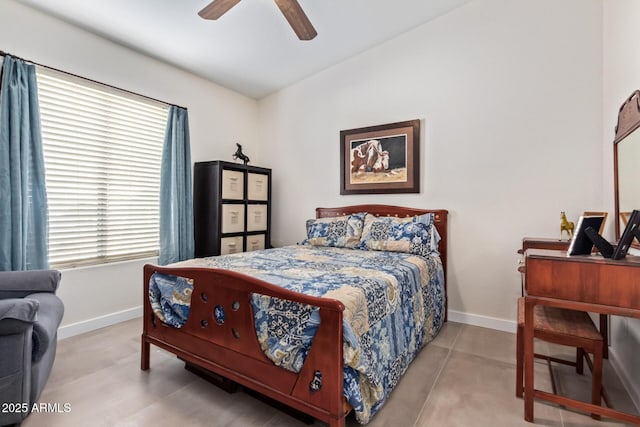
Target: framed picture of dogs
x=380, y=159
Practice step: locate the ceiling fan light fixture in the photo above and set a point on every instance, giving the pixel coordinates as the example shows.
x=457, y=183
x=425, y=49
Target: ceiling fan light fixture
x=291, y=10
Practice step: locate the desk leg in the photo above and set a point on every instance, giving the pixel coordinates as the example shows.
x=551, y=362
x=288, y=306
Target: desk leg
x=604, y=331
x=529, y=307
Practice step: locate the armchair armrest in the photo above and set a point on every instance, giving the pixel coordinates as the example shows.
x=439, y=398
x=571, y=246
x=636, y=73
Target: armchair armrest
x=19, y=284
x=45, y=328
x=17, y=315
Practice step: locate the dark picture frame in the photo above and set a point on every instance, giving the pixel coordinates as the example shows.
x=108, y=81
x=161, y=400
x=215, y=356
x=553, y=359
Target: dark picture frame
x=581, y=243
x=630, y=232
x=381, y=159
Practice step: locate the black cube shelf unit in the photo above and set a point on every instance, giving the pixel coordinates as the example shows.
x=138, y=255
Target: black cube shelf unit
x=232, y=208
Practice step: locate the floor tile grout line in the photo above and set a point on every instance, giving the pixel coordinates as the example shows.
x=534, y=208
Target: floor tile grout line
x=435, y=382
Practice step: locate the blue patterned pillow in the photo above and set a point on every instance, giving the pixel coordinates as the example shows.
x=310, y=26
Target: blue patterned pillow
x=339, y=232
x=415, y=235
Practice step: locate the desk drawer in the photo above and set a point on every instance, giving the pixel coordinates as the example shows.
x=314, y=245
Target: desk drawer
x=584, y=278
x=232, y=218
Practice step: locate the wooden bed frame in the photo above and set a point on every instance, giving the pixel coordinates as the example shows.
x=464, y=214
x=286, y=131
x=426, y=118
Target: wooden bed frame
x=231, y=349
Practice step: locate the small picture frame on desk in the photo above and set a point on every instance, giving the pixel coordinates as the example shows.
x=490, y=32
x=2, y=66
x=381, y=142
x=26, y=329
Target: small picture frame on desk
x=602, y=214
x=581, y=243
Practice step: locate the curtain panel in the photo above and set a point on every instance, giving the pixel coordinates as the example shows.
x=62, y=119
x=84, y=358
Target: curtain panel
x=176, y=200
x=23, y=197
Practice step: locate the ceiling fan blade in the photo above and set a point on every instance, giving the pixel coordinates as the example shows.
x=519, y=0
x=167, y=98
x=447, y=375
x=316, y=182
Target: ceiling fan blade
x=297, y=19
x=217, y=8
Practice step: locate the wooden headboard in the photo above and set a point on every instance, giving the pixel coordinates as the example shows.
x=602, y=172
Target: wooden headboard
x=439, y=219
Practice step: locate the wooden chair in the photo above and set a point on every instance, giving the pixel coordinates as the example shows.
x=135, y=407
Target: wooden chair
x=564, y=327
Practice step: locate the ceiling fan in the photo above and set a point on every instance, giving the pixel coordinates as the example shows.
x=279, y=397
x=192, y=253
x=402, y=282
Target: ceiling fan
x=290, y=9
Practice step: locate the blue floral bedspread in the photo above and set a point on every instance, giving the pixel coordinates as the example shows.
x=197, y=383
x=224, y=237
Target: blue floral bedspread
x=394, y=305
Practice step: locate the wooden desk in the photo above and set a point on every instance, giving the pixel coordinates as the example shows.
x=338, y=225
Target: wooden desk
x=559, y=245
x=584, y=282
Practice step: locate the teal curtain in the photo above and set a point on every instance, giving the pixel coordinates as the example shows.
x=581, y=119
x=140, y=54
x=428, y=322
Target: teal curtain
x=23, y=196
x=176, y=200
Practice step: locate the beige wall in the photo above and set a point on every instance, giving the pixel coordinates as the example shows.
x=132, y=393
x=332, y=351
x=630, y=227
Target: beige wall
x=218, y=118
x=510, y=98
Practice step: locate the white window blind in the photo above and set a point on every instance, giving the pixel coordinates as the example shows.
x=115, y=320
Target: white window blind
x=102, y=151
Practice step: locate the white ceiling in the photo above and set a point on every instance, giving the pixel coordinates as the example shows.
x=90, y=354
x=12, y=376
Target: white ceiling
x=251, y=49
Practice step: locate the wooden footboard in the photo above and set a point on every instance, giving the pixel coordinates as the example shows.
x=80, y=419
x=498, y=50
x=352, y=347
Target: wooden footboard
x=231, y=348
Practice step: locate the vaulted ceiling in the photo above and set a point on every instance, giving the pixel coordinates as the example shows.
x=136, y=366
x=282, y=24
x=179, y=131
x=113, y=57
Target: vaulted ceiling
x=251, y=49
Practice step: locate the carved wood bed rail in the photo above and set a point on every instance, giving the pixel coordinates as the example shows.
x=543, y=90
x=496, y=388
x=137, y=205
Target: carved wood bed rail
x=219, y=334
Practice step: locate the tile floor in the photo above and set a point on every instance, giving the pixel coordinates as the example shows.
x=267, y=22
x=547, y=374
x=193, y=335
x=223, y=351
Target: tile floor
x=465, y=377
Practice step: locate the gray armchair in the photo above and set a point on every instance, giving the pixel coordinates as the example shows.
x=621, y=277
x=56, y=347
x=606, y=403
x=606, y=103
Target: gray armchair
x=30, y=314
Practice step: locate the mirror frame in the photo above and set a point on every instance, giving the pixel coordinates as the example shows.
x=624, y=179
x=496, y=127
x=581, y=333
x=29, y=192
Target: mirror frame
x=628, y=121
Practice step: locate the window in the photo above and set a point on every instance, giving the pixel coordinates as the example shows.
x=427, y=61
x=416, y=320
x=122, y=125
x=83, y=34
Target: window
x=102, y=151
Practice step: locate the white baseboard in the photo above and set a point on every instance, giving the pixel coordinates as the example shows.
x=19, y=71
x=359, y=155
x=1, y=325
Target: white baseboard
x=483, y=321
x=98, y=322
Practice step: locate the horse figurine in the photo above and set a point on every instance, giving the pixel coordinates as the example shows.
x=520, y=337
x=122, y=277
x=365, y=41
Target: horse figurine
x=565, y=225
x=240, y=155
